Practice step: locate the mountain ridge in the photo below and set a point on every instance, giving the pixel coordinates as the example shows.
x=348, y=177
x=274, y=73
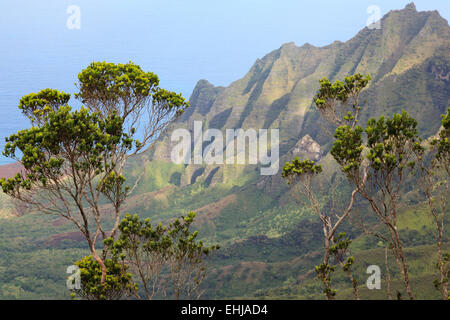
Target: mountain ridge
x=279, y=87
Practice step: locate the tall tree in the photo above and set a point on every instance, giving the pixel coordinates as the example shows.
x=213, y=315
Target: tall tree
x=376, y=165
x=434, y=160
x=392, y=145
x=73, y=160
x=301, y=175
x=338, y=103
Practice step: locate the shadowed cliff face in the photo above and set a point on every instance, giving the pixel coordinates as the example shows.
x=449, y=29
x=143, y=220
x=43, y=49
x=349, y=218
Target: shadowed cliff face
x=407, y=58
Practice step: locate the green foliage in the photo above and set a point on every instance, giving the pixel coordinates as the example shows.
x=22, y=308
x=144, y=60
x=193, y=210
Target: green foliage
x=323, y=273
x=85, y=136
x=299, y=168
x=443, y=142
x=341, y=242
x=108, y=86
x=340, y=247
x=87, y=140
x=116, y=79
x=391, y=145
x=118, y=282
x=388, y=141
x=347, y=148
x=438, y=283
x=338, y=102
x=36, y=105
x=339, y=90
x=167, y=260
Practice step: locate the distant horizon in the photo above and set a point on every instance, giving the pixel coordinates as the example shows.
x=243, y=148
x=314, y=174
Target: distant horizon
x=27, y=22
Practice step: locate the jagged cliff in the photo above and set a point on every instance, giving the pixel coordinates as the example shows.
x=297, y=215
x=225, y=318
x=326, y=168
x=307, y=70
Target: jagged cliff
x=408, y=59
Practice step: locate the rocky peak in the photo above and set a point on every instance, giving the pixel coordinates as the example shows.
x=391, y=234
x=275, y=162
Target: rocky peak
x=307, y=148
x=202, y=98
x=411, y=6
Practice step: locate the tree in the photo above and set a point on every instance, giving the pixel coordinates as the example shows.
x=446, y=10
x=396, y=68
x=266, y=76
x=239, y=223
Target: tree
x=301, y=174
x=339, y=249
x=390, y=155
x=167, y=260
x=392, y=146
x=378, y=164
x=73, y=160
x=435, y=184
x=338, y=103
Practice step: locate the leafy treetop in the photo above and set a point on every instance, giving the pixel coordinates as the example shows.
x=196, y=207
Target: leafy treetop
x=299, y=168
x=123, y=87
x=36, y=105
x=338, y=101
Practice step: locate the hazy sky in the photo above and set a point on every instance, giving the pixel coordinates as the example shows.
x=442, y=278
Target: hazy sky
x=182, y=41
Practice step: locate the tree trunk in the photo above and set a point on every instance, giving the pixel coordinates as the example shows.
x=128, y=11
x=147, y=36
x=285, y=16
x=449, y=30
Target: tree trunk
x=100, y=262
x=443, y=282
x=404, y=267
x=388, y=273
